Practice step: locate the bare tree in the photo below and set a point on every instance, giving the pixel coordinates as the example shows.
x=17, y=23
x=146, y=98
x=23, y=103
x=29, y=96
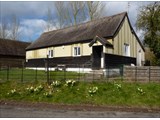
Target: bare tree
x=69, y=13
x=3, y=29
x=61, y=13
x=95, y=9
x=14, y=27
x=49, y=22
x=76, y=10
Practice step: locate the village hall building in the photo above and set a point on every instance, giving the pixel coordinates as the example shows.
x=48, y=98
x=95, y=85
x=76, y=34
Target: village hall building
x=108, y=41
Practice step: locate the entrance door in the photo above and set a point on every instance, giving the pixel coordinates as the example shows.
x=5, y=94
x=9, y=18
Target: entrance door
x=97, y=54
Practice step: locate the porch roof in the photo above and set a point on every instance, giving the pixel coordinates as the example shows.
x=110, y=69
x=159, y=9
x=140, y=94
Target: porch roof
x=102, y=40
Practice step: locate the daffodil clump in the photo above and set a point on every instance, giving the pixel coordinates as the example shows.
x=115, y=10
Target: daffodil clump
x=70, y=83
x=140, y=90
x=48, y=94
x=30, y=89
x=56, y=83
x=92, y=90
x=118, y=86
x=38, y=89
x=35, y=90
x=12, y=92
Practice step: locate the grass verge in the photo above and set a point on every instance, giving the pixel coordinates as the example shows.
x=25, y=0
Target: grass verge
x=71, y=92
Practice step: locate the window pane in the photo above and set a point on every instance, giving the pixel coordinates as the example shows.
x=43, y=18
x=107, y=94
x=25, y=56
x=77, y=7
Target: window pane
x=126, y=50
x=51, y=53
x=75, y=51
x=78, y=51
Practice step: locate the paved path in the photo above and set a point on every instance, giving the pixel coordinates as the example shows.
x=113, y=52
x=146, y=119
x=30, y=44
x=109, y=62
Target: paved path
x=8, y=111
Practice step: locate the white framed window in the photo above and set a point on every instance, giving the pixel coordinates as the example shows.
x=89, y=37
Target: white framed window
x=50, y=53
x=126, y=49
x=76, y=51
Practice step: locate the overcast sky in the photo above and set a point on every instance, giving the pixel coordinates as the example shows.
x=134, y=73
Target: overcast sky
x=32, y=14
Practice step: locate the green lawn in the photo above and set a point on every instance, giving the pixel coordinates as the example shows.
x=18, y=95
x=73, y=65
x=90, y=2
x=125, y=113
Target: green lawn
x=97, y=93
x=28, y=75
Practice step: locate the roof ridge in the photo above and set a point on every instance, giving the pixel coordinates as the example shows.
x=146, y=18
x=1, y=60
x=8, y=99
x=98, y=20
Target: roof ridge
x=91, y=21
x=14, y=40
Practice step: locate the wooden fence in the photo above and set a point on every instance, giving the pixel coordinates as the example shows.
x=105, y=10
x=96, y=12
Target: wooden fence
x=142, y=74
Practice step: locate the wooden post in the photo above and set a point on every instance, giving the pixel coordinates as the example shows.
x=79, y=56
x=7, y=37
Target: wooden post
x=47, y=70
x=149, y=73
x=7, y=73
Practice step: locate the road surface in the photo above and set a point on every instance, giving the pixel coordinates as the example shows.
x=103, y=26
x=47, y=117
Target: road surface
x=14, y=111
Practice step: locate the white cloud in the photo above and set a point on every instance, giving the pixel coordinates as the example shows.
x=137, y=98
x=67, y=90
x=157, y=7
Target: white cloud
x=25, y=9
x=32, y=28
x=34, y=23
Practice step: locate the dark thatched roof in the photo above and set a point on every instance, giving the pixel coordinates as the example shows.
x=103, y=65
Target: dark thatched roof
x=12, y=47
x=106, y=27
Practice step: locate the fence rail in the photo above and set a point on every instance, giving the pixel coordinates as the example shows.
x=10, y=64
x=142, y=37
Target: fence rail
x=142, y=74
x=60, y=72
x=126, y=73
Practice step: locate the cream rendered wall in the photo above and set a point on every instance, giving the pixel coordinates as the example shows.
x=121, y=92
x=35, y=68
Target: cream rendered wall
x=96, y=43
x=41, y=53
x=62, y=51
x=109, y=50
x=86, y=49
x=29, y=54
x=124, y=36
x=59, y=51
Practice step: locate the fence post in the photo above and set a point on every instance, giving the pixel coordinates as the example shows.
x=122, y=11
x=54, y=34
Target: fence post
x=136, y=74
x=149, y=74
x=79, y=73
x=47, y=70
x=36, y=74
x=22, y=71
x=22, y=75
x=84, y=74
x=93, y=76
x=108, y=74
x=7, y=73
x=64, y=70
x=121, y=67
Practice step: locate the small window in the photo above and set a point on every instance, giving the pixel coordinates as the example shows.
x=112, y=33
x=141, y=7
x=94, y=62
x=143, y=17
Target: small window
x=50, y=53
x=77, y=51
x=126, y=49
